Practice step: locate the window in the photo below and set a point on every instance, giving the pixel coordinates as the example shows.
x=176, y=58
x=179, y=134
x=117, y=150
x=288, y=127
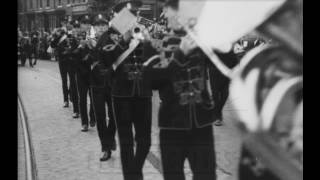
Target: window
x=59, y=2
x=40, y=3
x=48, y=3
x=68, y=2
x=31, y=4
x=73, y=1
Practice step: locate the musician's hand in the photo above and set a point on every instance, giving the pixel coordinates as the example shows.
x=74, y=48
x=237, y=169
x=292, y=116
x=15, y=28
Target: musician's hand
x=187, y=44
x=92, y=43
x=238, y=48
x=127, y=36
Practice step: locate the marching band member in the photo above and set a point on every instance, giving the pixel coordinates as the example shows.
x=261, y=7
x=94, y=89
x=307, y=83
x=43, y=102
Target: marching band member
x=63, y=47
x=131, y=95
x=100, y=90
x=186, y=115
x=190, y=104
x=83, y=75
x=71, y=58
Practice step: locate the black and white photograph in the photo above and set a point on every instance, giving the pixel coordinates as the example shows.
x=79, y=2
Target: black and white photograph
x=160, y=89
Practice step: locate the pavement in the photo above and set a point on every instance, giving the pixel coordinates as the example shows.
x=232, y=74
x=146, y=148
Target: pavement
x=63, y=152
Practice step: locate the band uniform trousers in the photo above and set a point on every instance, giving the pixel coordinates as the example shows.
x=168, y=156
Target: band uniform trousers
x=134, y=111
x=83, y=84
x=106, y=131
x=66, y=69
x=196, y=145
x=221, y=100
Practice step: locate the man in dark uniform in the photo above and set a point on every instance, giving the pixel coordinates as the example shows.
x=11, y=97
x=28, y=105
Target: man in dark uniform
x=71, y=59
x=100, y=89
x=64, y=45
x=131, y=95
x=83, y=74
x=186, y=114
x=187, y=110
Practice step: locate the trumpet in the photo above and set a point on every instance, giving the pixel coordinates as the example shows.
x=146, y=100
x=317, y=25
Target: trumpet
x=141, y=29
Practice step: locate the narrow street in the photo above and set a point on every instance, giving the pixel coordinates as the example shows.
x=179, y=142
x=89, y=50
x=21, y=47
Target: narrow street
x=63, y=152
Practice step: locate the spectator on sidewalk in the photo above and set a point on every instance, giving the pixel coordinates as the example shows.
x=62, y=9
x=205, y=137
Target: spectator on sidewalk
x=26, y=49
x=35, y=45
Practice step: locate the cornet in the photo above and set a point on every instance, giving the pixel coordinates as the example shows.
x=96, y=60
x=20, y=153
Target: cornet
x=141, y=29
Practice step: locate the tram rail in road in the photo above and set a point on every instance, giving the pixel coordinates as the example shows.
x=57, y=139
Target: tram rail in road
x=31, y=169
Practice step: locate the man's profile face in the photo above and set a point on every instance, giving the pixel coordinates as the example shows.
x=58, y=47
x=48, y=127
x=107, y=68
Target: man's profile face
x=100, y=29
x=85, y=27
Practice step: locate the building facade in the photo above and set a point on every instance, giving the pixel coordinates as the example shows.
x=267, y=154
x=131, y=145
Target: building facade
x=46, y=15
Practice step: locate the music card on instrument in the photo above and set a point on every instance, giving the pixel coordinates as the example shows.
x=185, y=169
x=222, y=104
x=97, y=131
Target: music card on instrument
x=124, y=21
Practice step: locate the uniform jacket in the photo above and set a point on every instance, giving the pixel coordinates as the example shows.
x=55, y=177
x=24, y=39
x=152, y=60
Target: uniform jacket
x=100, y=73
x=130, y=78
x=62, y=48
x=83, y=61
x=185, y=92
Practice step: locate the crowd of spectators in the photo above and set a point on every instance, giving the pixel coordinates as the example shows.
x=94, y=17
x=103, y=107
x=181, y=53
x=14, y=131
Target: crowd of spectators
x=35, y=43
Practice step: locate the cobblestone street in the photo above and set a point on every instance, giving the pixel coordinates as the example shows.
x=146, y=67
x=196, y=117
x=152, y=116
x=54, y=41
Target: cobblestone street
x=63, y=152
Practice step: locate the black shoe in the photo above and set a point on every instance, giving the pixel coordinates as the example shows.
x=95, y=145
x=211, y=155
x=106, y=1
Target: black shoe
x=106, y=155
x=92, y=123
x=75, y=115
x=66, y=104
x=84, y=128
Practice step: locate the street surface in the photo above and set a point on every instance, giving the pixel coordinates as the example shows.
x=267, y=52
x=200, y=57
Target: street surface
x=21, y=152
x=63, y=152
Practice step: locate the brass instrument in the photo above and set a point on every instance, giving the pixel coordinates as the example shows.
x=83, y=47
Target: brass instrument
x=272, y=120
x=242, y=16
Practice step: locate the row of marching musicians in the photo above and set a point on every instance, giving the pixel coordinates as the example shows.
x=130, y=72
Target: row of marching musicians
x=114, y=71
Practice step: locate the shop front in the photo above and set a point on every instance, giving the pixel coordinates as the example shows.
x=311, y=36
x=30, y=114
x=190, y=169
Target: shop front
x=30, y=21
x=60, y=14
x=79, y=10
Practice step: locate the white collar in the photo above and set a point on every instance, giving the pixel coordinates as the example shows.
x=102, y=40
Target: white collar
x=62, y=38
